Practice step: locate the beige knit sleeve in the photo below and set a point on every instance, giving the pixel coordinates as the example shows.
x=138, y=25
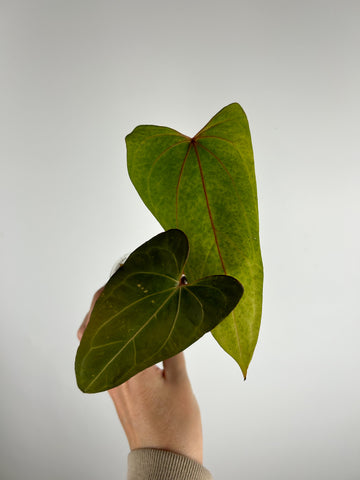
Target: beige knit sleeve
x=152, y=464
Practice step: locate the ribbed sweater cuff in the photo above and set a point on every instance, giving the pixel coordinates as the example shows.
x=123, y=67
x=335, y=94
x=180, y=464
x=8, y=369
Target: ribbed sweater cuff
x=153, y=464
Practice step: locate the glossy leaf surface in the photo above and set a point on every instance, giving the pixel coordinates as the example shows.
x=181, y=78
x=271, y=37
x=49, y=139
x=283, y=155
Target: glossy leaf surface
x=206, y=187
x=147, y=314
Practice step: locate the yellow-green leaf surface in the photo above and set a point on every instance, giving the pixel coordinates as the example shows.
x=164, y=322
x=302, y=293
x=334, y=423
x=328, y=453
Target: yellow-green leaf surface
x=148, y=313
x=206, y=187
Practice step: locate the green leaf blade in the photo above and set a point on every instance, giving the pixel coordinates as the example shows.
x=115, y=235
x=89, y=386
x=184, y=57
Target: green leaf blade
x=207, y=188
x=146, y=314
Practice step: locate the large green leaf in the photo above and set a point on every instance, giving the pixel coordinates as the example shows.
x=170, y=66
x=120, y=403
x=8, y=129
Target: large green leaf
x=148, y=313
x=206, y=186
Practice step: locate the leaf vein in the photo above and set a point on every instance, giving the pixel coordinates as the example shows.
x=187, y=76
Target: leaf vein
x=130, y=340
x=246, y=167
x=241, y=203
x=208, y=126
x=126, y=308
x=178, y=134
x=208, y=208
x=156, y=161
x=201, y=305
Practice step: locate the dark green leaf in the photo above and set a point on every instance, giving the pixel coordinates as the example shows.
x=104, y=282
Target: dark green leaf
x=206, y=186
x=147, y=314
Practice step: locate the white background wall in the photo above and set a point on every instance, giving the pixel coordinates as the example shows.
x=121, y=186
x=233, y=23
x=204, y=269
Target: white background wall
x=76, y=77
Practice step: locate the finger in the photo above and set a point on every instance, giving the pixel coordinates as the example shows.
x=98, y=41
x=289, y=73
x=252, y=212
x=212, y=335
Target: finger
x=118, y=394
x=81, y=330
x=120, y=397
x=83, y=326
x=175, y=367
x=95, y=297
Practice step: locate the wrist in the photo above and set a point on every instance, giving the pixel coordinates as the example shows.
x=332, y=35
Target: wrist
x=155, y=463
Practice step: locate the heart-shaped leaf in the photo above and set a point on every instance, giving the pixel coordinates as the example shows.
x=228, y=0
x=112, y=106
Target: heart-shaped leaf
x=206, y=186
x=148, y=313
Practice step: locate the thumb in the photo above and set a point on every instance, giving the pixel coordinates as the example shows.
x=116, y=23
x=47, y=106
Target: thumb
x=175, y=367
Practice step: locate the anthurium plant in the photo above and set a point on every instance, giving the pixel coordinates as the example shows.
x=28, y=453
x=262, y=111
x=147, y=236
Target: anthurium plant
x=204, y=273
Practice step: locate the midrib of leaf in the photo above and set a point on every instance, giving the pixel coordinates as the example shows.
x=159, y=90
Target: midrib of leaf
x=234, y=187
x=208, y=207
x=130, y=340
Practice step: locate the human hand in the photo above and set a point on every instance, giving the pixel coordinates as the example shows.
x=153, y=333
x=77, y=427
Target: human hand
x=157, y=407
